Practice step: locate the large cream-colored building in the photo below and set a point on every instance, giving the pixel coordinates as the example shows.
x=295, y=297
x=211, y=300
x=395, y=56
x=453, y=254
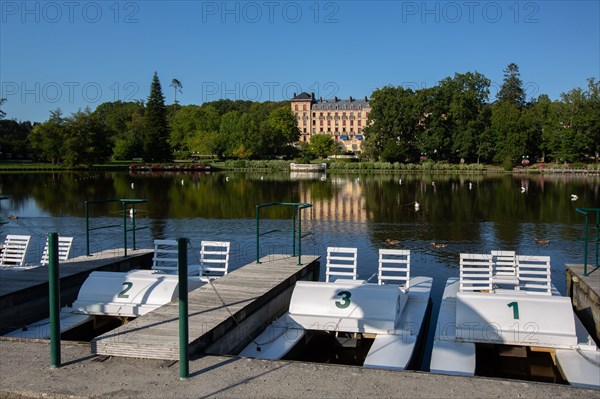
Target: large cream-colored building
x=343, y=119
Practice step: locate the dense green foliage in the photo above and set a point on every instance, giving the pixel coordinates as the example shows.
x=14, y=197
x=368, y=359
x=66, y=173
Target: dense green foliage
x=454, y=122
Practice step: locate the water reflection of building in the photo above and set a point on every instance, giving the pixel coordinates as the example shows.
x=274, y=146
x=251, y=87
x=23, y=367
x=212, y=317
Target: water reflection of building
x=345, y=202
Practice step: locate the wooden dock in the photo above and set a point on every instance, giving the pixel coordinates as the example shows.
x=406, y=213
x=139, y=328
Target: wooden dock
x=24, y=294
x=585, y=296
x=222, y=315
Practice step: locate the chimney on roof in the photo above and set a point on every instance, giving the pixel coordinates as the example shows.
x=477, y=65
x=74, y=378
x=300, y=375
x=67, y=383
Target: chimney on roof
x=335, y=99
x=294, y=95
x=366, y=99
x=320, y=99
x=350, y=98
x=312, y=95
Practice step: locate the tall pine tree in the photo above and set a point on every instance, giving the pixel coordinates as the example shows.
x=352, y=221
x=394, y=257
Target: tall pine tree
x=156, y=137
x=512, y=90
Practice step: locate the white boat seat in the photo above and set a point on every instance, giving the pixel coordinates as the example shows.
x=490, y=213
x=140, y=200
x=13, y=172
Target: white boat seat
x=475, y=272
x=14, y=250
x=394, y=266
x=505, y=270
x=64, y=249
x=341, y=262
x=166, y=256
x=214, y=259
x=534, y=274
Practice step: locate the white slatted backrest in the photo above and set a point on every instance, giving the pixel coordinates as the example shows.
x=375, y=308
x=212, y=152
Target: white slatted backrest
x=64, y=249
x=394, y=265
x=505, y=263
x=14, y=250
x=534, y=274
x=341, y=262
x=214, y=258
x=475, y=272
x=165, y=255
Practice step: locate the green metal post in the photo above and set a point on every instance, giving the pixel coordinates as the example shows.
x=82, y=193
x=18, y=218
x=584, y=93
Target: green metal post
x=125, y=228
x=597, y=233
x=257, y=236
x=54, y=299
x=299, y=237
x=294, y=210
x=133, y=224
x=87, y=229
x=585, y=254
x=183, y=309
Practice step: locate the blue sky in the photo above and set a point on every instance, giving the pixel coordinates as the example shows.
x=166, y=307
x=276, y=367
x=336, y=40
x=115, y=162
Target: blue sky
x=73, y=54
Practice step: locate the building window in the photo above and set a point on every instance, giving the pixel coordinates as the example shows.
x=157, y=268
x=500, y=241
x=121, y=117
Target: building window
x=314, y=122
x=360, y=107
x=321, y=130
x=351, y=123
x=314, y=114
x=336, y=122
x=336, y=130
x=344, y=122
x=359, y=122
x=314, y=130
x=321, y=122
x=296, y=107
x=304, y=107
x=304, y=130
x=329, y=123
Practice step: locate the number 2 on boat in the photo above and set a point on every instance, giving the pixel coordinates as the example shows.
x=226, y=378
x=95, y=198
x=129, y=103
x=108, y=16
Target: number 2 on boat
x=345, y=302
x=515, y=308
x=127, y=286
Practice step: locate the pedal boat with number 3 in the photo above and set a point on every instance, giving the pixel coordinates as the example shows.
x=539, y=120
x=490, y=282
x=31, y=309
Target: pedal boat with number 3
x=512, y=325
x=350, y=322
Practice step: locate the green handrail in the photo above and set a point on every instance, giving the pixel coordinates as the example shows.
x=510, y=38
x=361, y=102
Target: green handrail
x=586, y=212
x=296, y=208
x=125, y=202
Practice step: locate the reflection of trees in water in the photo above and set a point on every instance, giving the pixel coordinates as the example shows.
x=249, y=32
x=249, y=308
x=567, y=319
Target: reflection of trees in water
x=450, y=205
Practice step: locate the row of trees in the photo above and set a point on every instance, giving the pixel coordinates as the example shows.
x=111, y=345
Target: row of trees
x=454, y=121
x=155, y=132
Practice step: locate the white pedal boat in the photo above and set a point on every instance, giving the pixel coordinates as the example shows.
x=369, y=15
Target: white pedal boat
x=135, y=293
x=523, y=311
x=394, y=316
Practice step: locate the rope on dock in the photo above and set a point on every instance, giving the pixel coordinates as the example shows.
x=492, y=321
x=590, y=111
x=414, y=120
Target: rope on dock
x=589, y=359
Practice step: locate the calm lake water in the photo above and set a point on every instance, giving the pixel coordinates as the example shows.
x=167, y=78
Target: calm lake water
x=469, y=213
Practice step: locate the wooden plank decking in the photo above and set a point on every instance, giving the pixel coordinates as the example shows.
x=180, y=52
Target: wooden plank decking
x=24, y=294
x=245, y=291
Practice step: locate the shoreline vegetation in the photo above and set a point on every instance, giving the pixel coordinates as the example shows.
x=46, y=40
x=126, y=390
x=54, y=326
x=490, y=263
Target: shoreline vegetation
x=284, y=166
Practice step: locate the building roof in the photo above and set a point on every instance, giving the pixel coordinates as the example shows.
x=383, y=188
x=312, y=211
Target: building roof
x=302, y=97
x=347, y=103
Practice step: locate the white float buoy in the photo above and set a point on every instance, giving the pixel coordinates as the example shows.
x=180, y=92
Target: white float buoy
x=400, y=181
x=131, y=213
x=470, y=186
x=227, y=178
x=416, y=206
x=132, y=186
x=182, y=182
x=574, y=197
x=523, y=189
